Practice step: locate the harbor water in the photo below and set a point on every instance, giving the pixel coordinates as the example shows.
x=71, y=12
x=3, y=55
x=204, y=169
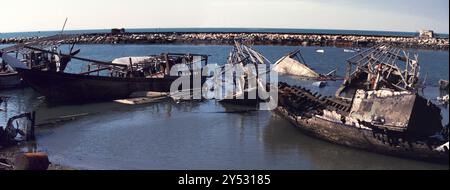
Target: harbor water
x=201, y=135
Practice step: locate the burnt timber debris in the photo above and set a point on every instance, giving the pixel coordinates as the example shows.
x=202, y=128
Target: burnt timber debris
x=377, y=108
x=245, y=85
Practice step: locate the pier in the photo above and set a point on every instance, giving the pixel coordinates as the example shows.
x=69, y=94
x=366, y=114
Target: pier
x=253, y=38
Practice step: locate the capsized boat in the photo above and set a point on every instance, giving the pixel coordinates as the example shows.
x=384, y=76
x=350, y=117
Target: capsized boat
x=378, y=108
x=105, y=81
x=294, y=64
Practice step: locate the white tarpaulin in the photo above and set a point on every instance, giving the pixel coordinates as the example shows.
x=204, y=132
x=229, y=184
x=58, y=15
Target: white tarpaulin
x=287, y=65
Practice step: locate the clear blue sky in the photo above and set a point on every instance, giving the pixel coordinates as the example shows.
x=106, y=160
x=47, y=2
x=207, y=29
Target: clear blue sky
x=392, y=15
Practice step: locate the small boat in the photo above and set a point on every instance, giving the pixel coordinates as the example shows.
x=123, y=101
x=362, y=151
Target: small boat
x=320, y=51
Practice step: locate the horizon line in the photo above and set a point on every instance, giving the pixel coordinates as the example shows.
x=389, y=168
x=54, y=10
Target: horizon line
x=251, y=28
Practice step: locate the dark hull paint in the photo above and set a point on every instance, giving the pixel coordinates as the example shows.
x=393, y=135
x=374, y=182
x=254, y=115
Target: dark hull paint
x=10, y=80
x=76, y=88
x=364, y=139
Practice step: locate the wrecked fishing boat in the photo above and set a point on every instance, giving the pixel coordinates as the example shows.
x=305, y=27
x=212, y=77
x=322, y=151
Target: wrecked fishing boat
x=241, y=87
x=294, y=64
x=377, y=108
x=104, y=81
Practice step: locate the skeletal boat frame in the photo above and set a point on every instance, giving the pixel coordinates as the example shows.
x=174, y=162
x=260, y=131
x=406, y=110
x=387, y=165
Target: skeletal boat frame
x=377, y=109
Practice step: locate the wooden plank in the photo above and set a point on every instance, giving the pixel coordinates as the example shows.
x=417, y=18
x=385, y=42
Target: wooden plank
x=139, y=101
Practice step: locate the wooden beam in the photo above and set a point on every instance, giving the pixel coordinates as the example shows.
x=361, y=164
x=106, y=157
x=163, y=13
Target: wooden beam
x=78, y=58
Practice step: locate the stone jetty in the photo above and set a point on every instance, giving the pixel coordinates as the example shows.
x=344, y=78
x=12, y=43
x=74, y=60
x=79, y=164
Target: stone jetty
x=290, y=39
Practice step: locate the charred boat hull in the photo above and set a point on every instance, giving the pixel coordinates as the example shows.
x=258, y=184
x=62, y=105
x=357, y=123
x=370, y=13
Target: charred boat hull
x=368, y=140
x=339, y=121
x=76, y=88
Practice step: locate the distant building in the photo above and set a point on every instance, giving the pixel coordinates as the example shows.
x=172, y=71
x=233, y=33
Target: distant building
x=117, y=30
x=426, y=34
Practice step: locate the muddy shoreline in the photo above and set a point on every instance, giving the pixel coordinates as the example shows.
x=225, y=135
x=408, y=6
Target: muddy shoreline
x=282, y=39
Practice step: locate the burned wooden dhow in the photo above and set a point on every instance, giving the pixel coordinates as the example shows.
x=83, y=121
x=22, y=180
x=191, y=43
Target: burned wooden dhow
x=104, y=81
x=375, y=110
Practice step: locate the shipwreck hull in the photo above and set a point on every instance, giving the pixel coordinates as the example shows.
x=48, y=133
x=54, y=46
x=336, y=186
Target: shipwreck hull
x=401, y=124
x=368, y=140
x=76, y=88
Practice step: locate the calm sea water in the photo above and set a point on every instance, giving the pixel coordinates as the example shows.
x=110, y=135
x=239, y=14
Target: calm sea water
x=270, y=30
x=200, y=135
